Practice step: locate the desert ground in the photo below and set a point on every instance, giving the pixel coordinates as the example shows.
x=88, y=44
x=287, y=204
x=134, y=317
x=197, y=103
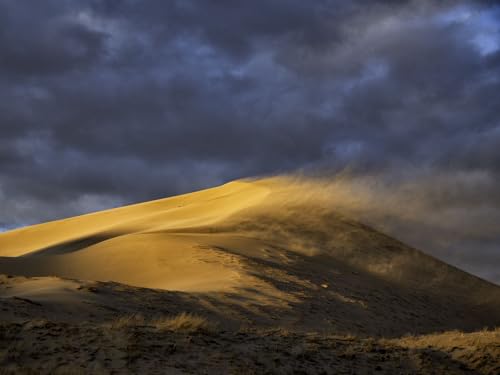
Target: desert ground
x=254, y=276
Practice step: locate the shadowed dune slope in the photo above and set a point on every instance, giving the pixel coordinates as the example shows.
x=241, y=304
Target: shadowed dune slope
x=273, y=251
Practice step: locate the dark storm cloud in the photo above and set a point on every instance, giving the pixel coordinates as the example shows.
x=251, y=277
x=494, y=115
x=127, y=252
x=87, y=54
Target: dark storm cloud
x=109, y=102
x=40, y=38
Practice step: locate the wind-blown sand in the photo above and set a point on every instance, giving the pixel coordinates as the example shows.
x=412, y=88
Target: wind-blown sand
x=248, y=256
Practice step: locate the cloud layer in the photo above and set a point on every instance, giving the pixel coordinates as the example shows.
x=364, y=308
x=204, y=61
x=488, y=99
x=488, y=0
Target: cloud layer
x=109, y=102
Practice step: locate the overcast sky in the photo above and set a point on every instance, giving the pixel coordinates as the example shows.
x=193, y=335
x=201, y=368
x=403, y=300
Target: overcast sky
x=104, y=103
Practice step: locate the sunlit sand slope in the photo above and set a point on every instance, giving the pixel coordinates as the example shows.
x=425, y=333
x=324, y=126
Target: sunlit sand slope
x=273, y=248
x=129, y=245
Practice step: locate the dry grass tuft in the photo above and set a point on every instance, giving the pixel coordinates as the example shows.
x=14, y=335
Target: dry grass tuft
x=131, y=320
x=184, y=322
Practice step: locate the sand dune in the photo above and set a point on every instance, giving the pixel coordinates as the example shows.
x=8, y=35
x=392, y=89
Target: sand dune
x=262, y=253
x=272, y=241
x=129, y=244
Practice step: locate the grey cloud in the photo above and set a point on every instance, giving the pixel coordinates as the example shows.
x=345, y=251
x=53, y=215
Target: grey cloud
x=39, y=39
x=111, y=102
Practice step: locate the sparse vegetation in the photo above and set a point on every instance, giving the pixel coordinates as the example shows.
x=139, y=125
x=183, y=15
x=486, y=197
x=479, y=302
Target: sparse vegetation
x=130, y=320
x=138, y=345
x=184, y=322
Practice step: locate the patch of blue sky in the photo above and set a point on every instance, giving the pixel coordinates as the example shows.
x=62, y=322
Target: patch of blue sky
x=483, y=25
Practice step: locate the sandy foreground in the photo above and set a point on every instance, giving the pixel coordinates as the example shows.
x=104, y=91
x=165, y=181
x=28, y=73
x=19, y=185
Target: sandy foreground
x=255, y=276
